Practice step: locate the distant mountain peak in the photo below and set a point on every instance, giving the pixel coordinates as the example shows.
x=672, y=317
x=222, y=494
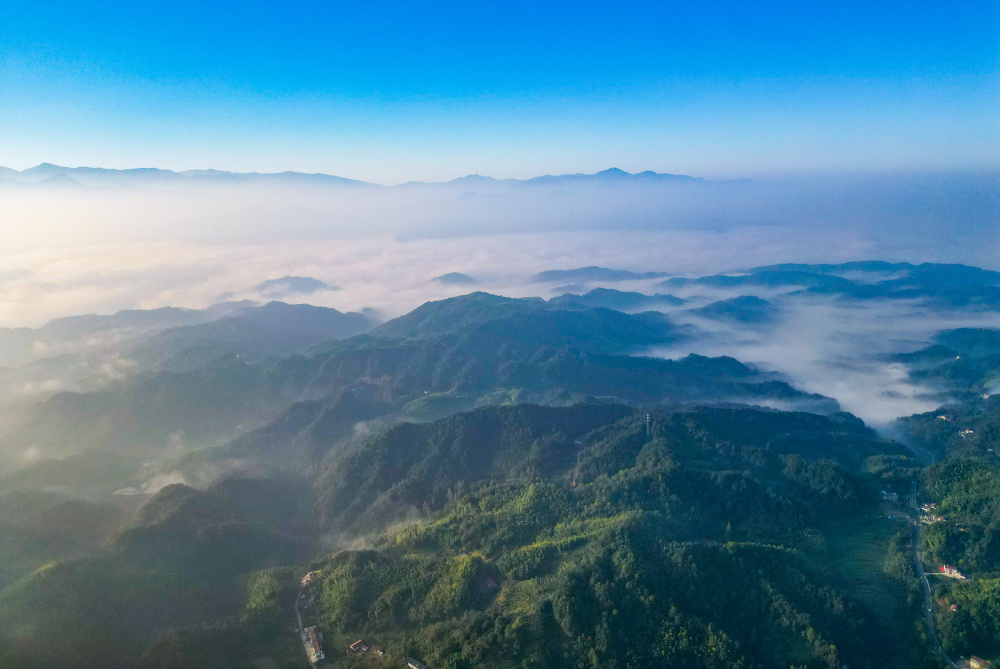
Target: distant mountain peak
x=291, y=284
x=455, y=278
x=593, y=273
x=43, y=169
x=280, y=287
x=100, y=176
x=473, y=178
x=60, y=179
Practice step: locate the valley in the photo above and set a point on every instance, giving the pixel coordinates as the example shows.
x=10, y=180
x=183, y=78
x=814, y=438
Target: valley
x=498, y=482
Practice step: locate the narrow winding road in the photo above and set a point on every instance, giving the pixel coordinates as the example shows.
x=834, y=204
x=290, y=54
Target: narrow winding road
x=924, y=583
x=298, y=615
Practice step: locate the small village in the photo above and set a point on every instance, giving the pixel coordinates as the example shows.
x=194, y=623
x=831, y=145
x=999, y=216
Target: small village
x=967, y=432
x=922, y=516
x=362, y=646
x=312, y=637
x=928, y=514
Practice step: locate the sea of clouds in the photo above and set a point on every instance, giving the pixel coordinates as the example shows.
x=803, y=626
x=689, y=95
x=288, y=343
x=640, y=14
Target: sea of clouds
x=75, y=250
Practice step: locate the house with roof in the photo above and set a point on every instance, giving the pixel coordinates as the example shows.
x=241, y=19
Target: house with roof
x=311, y=638
x=950, y=572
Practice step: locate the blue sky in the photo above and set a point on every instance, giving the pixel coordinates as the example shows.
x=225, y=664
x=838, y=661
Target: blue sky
x=389, y=92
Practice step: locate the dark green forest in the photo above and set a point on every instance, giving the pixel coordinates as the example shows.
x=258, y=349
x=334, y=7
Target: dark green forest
x=494, y=482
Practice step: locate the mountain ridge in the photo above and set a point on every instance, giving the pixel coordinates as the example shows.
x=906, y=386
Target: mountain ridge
x=81, y=175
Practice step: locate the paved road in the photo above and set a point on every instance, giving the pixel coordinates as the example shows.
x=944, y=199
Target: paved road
x=298, y=616
x=924, y=583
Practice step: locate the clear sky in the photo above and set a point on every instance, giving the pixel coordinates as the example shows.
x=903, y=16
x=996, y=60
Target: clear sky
x=389, y=92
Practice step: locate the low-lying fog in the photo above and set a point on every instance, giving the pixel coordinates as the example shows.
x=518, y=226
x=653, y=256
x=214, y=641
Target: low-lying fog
x=840, y=349
x=98, y=249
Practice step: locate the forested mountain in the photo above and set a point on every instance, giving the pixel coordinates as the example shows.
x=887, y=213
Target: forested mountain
x=480, y=347
x=408, y=465
x=585, y=419
x=274, y=329
x=97, y=371
x=961, y=491
x=964, y=532
x=900, y=275
x=546, y=528
x=744, y=309
x=22, y=345
x=493, y=482
x=177, y=565
x=947, y=285
x=963, y=364
x=234, y=526
x=764, y=277
x=455, y=279
x=479, y=344
x=592, y=273
x=620, y=300
x=37, y=527
x=196, y=406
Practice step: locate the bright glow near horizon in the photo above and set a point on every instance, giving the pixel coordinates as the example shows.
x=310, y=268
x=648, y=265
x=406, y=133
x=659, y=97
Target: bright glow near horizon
x=392, y=92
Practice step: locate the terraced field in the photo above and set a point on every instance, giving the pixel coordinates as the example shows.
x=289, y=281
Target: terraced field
x=857, y=552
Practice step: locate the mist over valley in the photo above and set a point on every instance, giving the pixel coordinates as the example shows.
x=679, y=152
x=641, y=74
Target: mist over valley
x=499, y=335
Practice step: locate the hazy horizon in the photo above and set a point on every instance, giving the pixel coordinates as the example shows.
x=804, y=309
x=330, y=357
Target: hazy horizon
x=74, y=250
x=520, y=335
x=524, y=89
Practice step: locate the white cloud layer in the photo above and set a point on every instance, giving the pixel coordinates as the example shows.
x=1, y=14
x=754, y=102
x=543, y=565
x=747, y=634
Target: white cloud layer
x=74, y=250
